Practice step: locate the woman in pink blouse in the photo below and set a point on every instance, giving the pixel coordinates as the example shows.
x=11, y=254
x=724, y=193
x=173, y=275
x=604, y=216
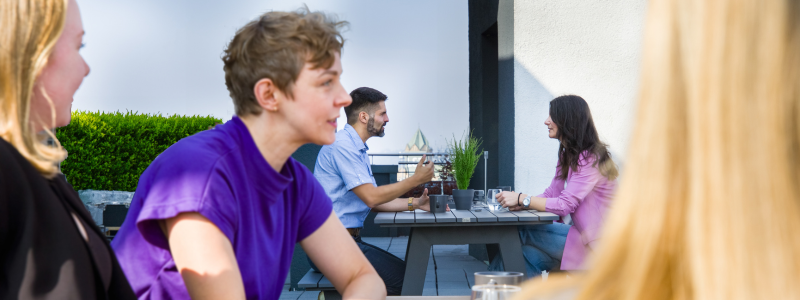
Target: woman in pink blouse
x=586, y=167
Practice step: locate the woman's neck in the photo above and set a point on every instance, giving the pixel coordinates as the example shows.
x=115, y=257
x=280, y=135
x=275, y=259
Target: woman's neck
x=273, y=138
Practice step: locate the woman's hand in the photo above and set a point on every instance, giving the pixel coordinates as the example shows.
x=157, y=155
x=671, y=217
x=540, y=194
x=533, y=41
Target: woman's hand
x=509, y=199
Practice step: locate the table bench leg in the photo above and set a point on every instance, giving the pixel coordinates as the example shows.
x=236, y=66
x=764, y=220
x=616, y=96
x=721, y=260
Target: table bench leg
x=511, y=252
x=417, y=254
x=492, y=251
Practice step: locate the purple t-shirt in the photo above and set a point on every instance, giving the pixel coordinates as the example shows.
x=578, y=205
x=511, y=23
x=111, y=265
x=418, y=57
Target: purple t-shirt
x=220, y=174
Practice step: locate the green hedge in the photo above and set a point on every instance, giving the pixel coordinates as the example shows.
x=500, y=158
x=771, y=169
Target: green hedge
x=108, y=151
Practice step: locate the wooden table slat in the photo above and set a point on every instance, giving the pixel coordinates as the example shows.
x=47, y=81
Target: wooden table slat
x=424, y=217
x=404, y=217
x=505, y=216
x=546, y=216
x=445, y=217
x=525, y=216
x=485, y=216
x=384, y=218
x=464, y=216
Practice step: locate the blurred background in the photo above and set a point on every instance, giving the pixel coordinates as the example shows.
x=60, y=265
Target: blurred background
x=164, y=57
x=448, y=67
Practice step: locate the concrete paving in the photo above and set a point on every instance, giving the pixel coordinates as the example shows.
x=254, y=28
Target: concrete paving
x=450, y=268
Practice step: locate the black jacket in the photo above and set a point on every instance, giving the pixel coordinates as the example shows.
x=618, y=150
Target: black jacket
x=42, y=253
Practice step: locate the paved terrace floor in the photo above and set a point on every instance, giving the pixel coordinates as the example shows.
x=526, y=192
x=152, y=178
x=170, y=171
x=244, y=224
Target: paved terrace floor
x=450, y=269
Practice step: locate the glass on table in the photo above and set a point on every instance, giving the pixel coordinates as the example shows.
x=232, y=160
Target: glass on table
x=493, y=291
x=479, y=200
x=491, y=199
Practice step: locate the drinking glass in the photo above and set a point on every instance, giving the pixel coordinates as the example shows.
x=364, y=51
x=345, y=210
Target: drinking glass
x=491, y=199
x=493, y=292
x=479, y=200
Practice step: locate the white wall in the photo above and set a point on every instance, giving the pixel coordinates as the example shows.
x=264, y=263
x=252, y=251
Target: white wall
x=163, y=57
x=588, y=48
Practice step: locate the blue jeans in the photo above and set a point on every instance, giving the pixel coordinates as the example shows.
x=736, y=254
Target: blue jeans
x=542, y=247
x=389, y=267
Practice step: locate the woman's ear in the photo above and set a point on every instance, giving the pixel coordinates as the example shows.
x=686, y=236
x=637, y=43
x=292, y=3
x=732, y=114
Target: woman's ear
x=267, y=94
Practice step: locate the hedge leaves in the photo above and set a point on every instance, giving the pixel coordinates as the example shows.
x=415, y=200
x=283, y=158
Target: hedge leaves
x=108, y=151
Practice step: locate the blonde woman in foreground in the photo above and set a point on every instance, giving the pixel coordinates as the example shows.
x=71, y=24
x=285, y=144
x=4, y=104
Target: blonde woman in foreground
x=708, y=204
x=50, y=247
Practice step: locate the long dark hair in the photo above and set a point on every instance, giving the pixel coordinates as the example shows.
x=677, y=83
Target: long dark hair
x=576, y=134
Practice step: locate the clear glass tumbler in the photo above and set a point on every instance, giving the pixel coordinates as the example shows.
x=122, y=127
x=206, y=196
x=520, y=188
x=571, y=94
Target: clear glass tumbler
x=491, y=199
x=493, y=292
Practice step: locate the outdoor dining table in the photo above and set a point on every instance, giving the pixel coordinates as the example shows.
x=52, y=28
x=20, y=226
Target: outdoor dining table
x=459, y=227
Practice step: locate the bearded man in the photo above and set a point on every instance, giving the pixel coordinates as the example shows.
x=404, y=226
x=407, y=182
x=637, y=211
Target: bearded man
x=344, y=171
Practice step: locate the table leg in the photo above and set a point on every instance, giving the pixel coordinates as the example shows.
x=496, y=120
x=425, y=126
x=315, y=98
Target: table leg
x=511, y=252
x=422, y=238
x=492, y=251
x=417, y=254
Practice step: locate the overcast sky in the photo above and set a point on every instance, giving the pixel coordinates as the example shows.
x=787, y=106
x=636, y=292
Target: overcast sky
x=164, y=57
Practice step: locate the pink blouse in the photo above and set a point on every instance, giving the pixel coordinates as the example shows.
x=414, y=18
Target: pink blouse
x=587, y=196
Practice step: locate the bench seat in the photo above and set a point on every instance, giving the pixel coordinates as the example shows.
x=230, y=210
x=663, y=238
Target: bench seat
x=315, y=281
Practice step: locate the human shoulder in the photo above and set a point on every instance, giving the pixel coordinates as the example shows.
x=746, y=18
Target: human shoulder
x=193, y=158
x=19, y=182
x=192, y=175
x=344, y=140
x=13, y=164
x=586, y=158
x=10, y=172
x=8, y=154
x=206, y=146
x=343, y=147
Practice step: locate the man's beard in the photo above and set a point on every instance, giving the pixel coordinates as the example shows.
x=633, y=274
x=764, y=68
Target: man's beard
x=379, y=132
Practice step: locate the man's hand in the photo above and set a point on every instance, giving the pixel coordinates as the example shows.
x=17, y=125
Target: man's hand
x=424, y=171
x=424, y=202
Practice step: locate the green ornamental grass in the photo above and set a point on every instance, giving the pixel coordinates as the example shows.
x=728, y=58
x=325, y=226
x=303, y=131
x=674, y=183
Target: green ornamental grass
x=108, y=151
x=464, y=155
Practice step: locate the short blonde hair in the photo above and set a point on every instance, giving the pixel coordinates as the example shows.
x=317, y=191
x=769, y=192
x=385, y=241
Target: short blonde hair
x=709, y=203
x=28, y=32
x=276, y=46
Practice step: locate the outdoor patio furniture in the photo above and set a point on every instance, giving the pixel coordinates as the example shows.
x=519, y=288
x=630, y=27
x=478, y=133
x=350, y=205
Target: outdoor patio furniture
x=315, y=281
x=459, y=227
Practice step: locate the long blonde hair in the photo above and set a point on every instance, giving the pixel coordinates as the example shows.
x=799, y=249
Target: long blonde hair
x=29, y=30
x=708, y=204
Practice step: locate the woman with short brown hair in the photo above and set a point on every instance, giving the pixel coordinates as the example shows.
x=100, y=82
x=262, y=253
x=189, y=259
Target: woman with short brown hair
x=218, y=214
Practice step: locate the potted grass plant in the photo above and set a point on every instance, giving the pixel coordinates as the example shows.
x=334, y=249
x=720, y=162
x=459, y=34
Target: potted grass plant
x=464, y=155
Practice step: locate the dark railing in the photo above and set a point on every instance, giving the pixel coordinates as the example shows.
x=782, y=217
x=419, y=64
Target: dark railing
x=404, y=171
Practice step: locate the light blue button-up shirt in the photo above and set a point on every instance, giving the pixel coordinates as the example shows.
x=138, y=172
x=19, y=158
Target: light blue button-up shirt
x=341, y=167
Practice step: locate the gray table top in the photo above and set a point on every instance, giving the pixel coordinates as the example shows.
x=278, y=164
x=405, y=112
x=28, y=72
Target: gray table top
x=483, y=217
